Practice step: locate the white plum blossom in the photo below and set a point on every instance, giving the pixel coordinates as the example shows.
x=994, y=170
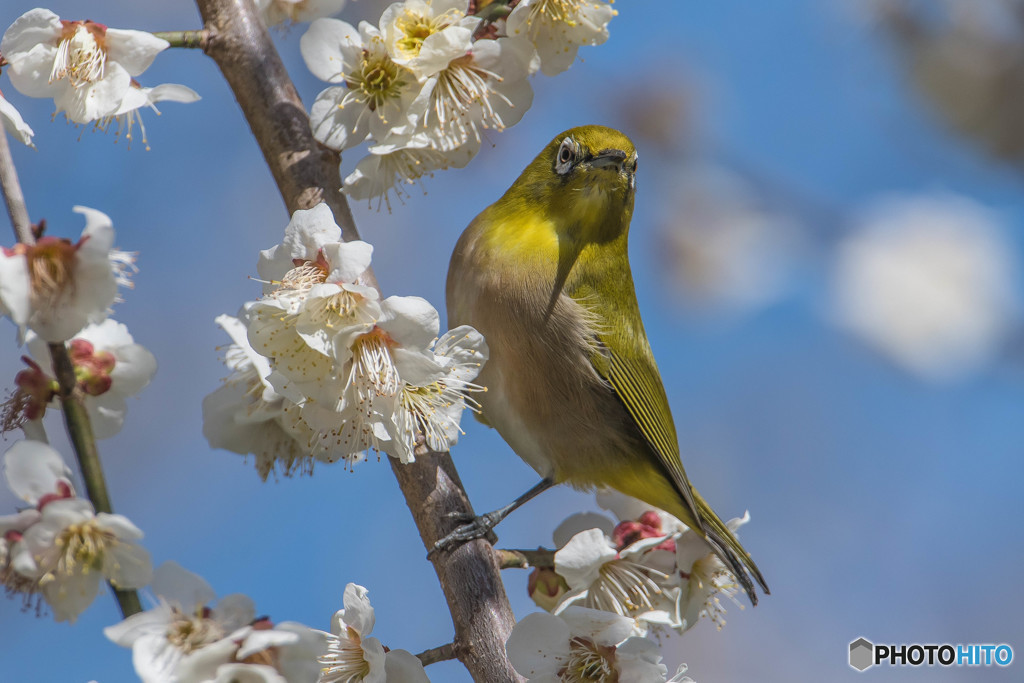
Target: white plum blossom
x=60, y=548
x=705, y=578
x=557, y=28
x=435, y=391
x=467, y=84
x=188, y=636
x=73, y=548
x=649, y=566
x=600, y=576
x=109, y=367
x=354, y=655
x=246, y=415
x=928, y=281
x=13, y=123
x=36, y=473
x=365, y=374
x=275, y=12
x=581, y=645
x=408, y=26
x=128, y=114
x=13, y=554
x=56, y=287
x=184, y=619
x=471, y=85
x=401, y=160
x=374, y=94
x=84, y=66
x=261, y=652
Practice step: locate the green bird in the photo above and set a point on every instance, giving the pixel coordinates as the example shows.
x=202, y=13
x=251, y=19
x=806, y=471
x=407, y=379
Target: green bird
x=572, y=386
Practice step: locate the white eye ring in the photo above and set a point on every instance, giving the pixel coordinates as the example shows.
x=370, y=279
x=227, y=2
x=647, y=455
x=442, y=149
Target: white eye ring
x=566, y=156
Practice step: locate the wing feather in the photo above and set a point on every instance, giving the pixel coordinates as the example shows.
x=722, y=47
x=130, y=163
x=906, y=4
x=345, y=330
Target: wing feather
x=638, y=385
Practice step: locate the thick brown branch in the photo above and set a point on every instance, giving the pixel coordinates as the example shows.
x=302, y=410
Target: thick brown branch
x=469, y=573
x=306, y=173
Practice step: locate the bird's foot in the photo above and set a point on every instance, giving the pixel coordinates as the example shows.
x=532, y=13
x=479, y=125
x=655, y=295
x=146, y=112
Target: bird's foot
x=472, y=528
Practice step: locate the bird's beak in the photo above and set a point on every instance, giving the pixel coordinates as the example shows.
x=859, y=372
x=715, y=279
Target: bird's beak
x=608, y=158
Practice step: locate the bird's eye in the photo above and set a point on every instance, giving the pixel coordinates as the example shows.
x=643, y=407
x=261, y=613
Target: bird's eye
x=566, y=155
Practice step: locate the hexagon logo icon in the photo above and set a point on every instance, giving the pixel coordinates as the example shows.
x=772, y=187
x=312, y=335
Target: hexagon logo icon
x=862, y=653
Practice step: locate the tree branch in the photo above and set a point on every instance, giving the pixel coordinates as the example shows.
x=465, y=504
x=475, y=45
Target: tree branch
x=306, y=174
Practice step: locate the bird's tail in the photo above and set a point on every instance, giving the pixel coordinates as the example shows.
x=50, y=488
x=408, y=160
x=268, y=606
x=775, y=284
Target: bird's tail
x=727, y=546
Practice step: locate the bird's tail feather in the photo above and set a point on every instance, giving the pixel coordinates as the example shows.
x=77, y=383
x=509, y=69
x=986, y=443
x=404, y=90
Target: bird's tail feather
x=728, y=547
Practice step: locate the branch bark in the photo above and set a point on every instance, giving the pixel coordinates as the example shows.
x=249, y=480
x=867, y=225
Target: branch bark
x=306, y=173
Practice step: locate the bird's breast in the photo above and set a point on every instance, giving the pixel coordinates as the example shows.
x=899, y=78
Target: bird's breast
x=543, y=395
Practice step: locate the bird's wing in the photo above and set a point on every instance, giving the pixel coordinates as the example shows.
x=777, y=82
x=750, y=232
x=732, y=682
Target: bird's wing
x=638, y=385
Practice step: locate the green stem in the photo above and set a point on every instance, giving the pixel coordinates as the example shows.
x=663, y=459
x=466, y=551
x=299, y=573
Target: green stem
x=76, y=420
x=195, y=40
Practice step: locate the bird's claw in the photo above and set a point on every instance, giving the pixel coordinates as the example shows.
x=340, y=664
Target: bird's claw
x=472, y=528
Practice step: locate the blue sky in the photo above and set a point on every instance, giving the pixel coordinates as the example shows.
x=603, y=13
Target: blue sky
x=882, y=506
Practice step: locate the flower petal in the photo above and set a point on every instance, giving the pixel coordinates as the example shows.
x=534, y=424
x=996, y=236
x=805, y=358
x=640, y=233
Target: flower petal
x=538, y=645
x=34, y=469
x=358, y=614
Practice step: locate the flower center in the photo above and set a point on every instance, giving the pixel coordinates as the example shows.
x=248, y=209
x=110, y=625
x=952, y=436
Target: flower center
x=556, y=11
x=589, y=662
x=305, y=274
x=81, y=54
x=344, y=661
x=51, y=269
x=460, y=85
x=373, y=369
x=82, y=549
x=415, y=28
x=191, y=632
x=378, y=79
x=624, y=587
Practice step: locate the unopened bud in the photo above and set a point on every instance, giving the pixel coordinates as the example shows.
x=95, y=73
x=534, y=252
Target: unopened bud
x=546, y=587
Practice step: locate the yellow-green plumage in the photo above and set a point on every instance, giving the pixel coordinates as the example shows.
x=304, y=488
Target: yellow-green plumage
x=571, y=381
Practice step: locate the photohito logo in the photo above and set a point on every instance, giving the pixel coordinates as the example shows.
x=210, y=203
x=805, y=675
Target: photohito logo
x=865, y=654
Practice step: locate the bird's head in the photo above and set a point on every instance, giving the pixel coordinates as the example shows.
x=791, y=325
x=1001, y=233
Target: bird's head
x=586, y=177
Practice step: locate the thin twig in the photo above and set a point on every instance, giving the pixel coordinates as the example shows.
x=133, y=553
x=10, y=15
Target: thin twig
x=13, y=197
x=186, y=39
x=524, y=559
x=441, y=653
x=76, y=419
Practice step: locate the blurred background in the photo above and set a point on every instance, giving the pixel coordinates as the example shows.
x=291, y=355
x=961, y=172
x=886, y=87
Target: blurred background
x=827, y=250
